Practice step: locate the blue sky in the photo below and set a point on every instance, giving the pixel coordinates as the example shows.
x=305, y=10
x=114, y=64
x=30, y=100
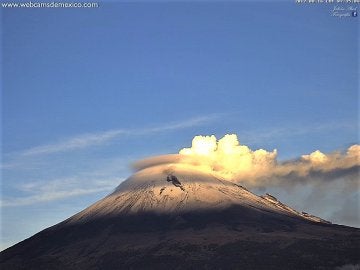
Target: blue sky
x=85, y=92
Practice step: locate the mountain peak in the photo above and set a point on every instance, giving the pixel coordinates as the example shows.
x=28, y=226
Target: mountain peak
x=173, y=190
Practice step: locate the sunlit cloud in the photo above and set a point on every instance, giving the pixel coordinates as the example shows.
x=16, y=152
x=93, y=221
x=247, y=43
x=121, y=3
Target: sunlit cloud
x=228, y=159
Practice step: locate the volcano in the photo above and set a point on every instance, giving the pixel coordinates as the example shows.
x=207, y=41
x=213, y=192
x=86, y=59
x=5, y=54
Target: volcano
x=183, y=218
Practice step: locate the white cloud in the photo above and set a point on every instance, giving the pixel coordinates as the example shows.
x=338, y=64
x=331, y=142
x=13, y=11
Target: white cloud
x=99, y=138
x=77, y=142
x=193, y=122
x=37, y=192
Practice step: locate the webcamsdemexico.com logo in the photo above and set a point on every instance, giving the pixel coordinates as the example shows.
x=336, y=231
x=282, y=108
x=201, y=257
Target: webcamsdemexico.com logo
x=31, y=4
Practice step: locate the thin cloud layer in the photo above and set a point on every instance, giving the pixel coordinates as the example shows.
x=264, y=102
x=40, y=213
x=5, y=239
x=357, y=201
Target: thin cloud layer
x=228, y=159
x=77, y=142
x=59, y=189
x=93, y=139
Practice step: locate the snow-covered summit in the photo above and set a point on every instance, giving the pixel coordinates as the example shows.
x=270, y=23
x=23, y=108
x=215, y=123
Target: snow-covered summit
x=165, y=189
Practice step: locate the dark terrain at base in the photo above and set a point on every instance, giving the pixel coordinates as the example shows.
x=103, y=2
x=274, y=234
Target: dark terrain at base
x=235, y=238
